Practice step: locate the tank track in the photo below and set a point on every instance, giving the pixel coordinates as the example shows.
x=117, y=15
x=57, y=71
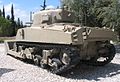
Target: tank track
x=73, y=54
x=74, y=61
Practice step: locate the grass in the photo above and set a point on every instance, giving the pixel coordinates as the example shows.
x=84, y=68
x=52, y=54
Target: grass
x=6, y=38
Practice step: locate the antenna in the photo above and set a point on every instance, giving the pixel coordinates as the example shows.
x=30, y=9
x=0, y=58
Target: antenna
x=44, y=5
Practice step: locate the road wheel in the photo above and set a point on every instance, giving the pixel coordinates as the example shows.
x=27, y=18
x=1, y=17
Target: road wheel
x=37, y=60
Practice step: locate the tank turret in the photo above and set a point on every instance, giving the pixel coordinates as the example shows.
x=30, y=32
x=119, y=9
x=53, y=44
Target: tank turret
x=48, y=17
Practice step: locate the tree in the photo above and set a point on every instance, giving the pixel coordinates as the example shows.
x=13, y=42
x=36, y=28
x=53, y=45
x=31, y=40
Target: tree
x=21, y=24
x=83, y=11
x=95, y=12
x=18, y=23
x=3, y=12
x=13, y=25
x=12, y=13
x=66, y=3
x=0, y=13
x=111, y=14
x=5, y=27
x=8, y=17
x=8, y=26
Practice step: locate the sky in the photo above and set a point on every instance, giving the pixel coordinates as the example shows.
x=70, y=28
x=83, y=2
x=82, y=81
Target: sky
x=22, y=8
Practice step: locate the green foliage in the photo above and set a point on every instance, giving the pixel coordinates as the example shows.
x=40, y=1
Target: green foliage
x=96, y=12
x=9, y=27
x=84, y=10
x=5, y=27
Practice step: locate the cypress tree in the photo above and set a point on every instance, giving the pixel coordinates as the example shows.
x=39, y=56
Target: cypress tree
x=21, y=24
x=0, y=13
x=12, y=13
x=3, y=12
x=13, y=25
x=18, y=22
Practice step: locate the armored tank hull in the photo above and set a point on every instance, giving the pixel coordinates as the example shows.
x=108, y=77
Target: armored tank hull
x=58, y=47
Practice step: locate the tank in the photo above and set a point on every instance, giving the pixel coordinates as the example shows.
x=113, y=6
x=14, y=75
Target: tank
x=54, y=42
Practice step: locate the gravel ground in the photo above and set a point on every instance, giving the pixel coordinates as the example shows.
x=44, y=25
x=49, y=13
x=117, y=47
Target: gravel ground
x=13, y=70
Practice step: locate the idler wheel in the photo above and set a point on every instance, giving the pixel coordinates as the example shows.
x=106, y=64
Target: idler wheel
x=104, y=58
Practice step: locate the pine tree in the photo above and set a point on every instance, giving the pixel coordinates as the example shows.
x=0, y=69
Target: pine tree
x=3, y=12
